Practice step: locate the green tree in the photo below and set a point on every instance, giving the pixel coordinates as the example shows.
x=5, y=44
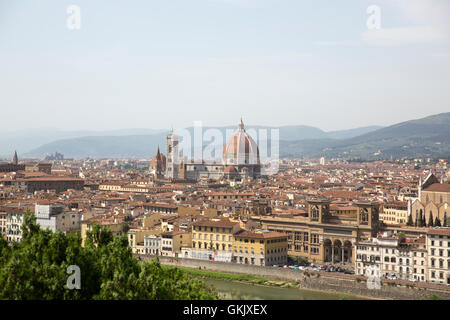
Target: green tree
x=421, y=220
x=409, y=222
x=437, y=222
x=445, y=224
x=416, y=223
x=430, y=219
x=36, y=268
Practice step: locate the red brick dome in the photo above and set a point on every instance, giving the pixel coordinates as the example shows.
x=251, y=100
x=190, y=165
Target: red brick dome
x=241, y=149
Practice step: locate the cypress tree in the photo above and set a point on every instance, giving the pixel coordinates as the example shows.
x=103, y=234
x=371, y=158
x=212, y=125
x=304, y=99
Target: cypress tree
x=437, y=222
x=410, y=222
x=430, y=219
x=445, y=219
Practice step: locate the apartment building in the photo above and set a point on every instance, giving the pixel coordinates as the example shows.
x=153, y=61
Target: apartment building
x=3, y=224
x=14, y=221
x=152, y=245
x=173, y=241
x=438, y=247
x=395, y=212
x=263, y=248
x=392, y=256
x=214, y=234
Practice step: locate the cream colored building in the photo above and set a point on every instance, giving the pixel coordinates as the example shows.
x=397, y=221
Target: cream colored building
x=172, y=242
x=395, y=213
x=214, y=234
x=3, y=223
x=438, y=247
x=434, y=198
x=136, y=239
x=115, y=227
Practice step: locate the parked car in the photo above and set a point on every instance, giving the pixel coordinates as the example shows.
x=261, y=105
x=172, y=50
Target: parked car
x=348, y=272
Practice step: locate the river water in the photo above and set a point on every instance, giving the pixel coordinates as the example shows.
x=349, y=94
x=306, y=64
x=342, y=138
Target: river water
x=246, y=291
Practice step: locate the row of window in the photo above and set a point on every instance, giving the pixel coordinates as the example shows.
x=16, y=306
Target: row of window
x=206, y=245
x=441, y=252
x=441, y=243
x=211, y=237
x=211, y=229
x=441, y=263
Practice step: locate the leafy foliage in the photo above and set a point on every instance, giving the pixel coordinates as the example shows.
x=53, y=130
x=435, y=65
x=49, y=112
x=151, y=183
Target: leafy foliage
x=36, y=268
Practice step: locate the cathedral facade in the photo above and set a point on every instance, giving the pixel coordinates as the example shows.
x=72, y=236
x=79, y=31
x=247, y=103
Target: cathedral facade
x=433, y=200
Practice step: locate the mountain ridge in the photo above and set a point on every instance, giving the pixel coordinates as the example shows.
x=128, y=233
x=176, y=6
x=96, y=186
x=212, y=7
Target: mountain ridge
x=425, y=137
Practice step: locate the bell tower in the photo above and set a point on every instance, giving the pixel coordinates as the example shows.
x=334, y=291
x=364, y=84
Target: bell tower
x=368, y=215
x=318, y=210
x=15, y=160
x=172, y=156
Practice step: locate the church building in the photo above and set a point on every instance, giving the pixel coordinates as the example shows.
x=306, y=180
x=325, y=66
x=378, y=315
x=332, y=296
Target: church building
x=240, y=160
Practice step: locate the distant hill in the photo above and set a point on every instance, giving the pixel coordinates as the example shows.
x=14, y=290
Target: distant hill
x=25, y=140
x=426, y=137
x=144, y=145
x=347, y=134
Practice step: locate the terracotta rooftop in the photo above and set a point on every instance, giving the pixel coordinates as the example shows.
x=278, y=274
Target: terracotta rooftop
x=438, y=187
x=259, y=235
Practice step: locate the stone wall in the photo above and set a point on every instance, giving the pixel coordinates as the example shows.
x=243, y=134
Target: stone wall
x=325, y=281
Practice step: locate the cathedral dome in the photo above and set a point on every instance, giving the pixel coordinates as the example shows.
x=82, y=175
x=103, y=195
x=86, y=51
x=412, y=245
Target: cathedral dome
x=230, y=169
x=241, y=149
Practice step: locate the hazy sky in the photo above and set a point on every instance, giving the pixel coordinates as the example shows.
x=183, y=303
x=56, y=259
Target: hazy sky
x=154, y=64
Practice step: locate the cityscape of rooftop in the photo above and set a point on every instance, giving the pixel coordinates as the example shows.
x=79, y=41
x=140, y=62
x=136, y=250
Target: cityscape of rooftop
x=203, y=158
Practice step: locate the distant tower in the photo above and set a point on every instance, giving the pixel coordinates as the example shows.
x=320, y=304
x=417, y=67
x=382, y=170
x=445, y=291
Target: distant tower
x=318, y=210
x=158, y=165
x=419, y=189
x=322, y=161
x=182, y=171
x=368, y=215
x=172, y=156
x=15, y=160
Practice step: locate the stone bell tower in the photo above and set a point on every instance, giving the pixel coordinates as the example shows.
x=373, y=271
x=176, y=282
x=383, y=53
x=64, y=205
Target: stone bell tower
x=172, y=164
x=15, y=160
x=368, y=215
x=318, y=210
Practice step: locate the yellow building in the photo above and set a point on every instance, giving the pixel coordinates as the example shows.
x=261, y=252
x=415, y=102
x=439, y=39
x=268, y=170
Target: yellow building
x=263, y=248
x=322, y=237
x=86, y=225
x=214, y=234
x=395, y=213
x=136, y=238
